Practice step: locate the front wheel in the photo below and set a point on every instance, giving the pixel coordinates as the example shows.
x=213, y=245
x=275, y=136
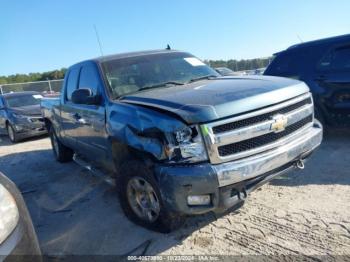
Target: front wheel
x=60, y=151
x=141, y=200
x=12, y=133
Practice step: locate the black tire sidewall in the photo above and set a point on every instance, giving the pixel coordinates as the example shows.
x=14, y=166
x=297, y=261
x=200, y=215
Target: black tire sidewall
x=52, y=135
x=166, y=221
x=63, y=153
x=14, y=140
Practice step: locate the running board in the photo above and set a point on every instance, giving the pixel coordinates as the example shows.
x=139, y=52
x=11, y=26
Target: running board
x=96, y=172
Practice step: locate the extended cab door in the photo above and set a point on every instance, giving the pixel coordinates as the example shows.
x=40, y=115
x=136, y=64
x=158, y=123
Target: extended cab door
x=68, y=122
x=333, y=76
x=90, y=119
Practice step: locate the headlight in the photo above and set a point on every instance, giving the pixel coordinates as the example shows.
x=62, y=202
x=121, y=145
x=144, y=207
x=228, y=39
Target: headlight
x=186, y=146
x=9, y=215
x=21, y=117
x=18, y=116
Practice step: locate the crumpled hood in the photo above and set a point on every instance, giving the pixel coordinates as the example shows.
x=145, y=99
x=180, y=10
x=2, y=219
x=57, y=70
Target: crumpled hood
x=209, y=100
x=33, y=110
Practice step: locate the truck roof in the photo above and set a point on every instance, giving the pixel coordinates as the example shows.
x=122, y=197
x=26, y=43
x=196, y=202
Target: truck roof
x=134, y=54
x=329, y=40
x=324, y=41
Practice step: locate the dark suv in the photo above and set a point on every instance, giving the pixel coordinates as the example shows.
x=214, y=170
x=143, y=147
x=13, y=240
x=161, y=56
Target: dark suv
x=324, y=65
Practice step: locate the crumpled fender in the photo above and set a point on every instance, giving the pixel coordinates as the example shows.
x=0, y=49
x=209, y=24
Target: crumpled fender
x=140, y=127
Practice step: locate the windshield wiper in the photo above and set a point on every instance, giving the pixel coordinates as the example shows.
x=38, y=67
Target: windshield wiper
x=161, y=85
x=202, y=78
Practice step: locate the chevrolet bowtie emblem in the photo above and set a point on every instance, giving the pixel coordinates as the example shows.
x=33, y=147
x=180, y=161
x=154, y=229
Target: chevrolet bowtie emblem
x=279, y=124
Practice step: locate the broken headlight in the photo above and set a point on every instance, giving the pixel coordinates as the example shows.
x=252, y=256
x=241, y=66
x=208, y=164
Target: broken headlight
x=186, y=146
x=9, y=214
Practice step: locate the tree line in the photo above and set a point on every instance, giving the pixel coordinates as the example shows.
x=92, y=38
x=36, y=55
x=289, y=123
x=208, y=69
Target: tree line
x=235, y=65
x=32, y=77
x=240, y=65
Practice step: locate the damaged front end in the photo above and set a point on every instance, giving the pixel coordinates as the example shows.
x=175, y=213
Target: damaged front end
x=166, y=137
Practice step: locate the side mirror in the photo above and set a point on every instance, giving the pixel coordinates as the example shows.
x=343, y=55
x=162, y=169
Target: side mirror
x=84, y=96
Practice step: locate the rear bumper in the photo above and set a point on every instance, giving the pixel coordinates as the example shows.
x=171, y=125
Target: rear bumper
x=229, y=183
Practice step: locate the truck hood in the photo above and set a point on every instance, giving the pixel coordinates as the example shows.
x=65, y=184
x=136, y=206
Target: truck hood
x=210, y=100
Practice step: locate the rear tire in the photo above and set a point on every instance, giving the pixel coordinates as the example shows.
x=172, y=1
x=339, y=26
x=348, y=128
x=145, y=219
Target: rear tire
x=144, y=206
x=12, y=133
x=60, y=151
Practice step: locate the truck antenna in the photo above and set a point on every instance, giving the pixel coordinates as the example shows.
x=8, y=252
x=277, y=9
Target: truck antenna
x=98, y=40
x=301, y=40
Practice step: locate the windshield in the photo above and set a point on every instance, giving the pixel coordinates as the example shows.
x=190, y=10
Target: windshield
x=133, y=74
x=23, y=100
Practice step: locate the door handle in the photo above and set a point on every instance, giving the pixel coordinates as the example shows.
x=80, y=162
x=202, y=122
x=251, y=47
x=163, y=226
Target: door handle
x=79, y=119
x=75, y=115
x=82, y=121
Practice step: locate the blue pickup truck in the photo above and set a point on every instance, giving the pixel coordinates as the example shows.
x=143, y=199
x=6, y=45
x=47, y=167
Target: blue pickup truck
x=178, y=138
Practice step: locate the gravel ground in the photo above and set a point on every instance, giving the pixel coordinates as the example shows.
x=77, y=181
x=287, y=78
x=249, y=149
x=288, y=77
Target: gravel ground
x=305, y=214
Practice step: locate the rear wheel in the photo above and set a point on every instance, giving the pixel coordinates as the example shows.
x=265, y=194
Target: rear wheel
x=12, y=133
x=60, y=151
x=141, y=200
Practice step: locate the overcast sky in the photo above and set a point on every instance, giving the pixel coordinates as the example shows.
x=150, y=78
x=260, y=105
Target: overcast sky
x=37, y=35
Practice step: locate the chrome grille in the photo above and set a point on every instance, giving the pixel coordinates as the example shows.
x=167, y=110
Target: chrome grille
x=258, y=131
x=262, y=140
x=260, y=118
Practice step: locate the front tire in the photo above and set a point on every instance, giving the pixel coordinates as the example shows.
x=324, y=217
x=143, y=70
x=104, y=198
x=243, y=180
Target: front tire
x=12, y=133
x=60, y=151
x=141, y=200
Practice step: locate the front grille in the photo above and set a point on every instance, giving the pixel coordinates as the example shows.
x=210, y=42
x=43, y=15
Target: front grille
x=36, y=120
x=259, y=141
x=260, y=118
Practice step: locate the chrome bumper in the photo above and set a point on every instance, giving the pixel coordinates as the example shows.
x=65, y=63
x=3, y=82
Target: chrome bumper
x=247, y=168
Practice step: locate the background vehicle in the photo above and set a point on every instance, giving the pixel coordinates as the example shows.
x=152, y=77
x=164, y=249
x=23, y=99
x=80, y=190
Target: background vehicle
x=179, y=139
x=17, y=235
x=224, y=71
x=20, y=115
x=324, y=65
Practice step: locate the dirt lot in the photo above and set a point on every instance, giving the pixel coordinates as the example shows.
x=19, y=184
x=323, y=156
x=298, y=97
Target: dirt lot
x=305, y=214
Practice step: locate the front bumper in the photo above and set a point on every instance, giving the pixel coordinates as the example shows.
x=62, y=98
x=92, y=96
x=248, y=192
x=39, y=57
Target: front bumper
x=26, y=129
x=229, y=183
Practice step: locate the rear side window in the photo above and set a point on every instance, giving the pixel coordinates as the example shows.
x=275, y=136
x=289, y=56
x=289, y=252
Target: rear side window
x=336, y=60
x=286, y=64
x=72, y=82
x=89, y=78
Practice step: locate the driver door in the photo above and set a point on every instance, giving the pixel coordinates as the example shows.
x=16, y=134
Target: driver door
x=90, y=119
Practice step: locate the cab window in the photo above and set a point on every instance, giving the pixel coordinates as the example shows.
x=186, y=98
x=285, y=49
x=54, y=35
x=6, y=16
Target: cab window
x=336, y=60
x=72, y=82
x=89, y=78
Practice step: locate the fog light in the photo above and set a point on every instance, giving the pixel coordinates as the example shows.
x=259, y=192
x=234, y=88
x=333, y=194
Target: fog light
x=199, y=200
x=19, y=127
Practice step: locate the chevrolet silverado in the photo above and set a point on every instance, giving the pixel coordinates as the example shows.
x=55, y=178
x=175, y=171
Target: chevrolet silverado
x=178, y=138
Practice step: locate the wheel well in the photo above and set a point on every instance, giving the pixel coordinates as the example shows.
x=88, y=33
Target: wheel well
x=123, y=153
x=48, y=123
